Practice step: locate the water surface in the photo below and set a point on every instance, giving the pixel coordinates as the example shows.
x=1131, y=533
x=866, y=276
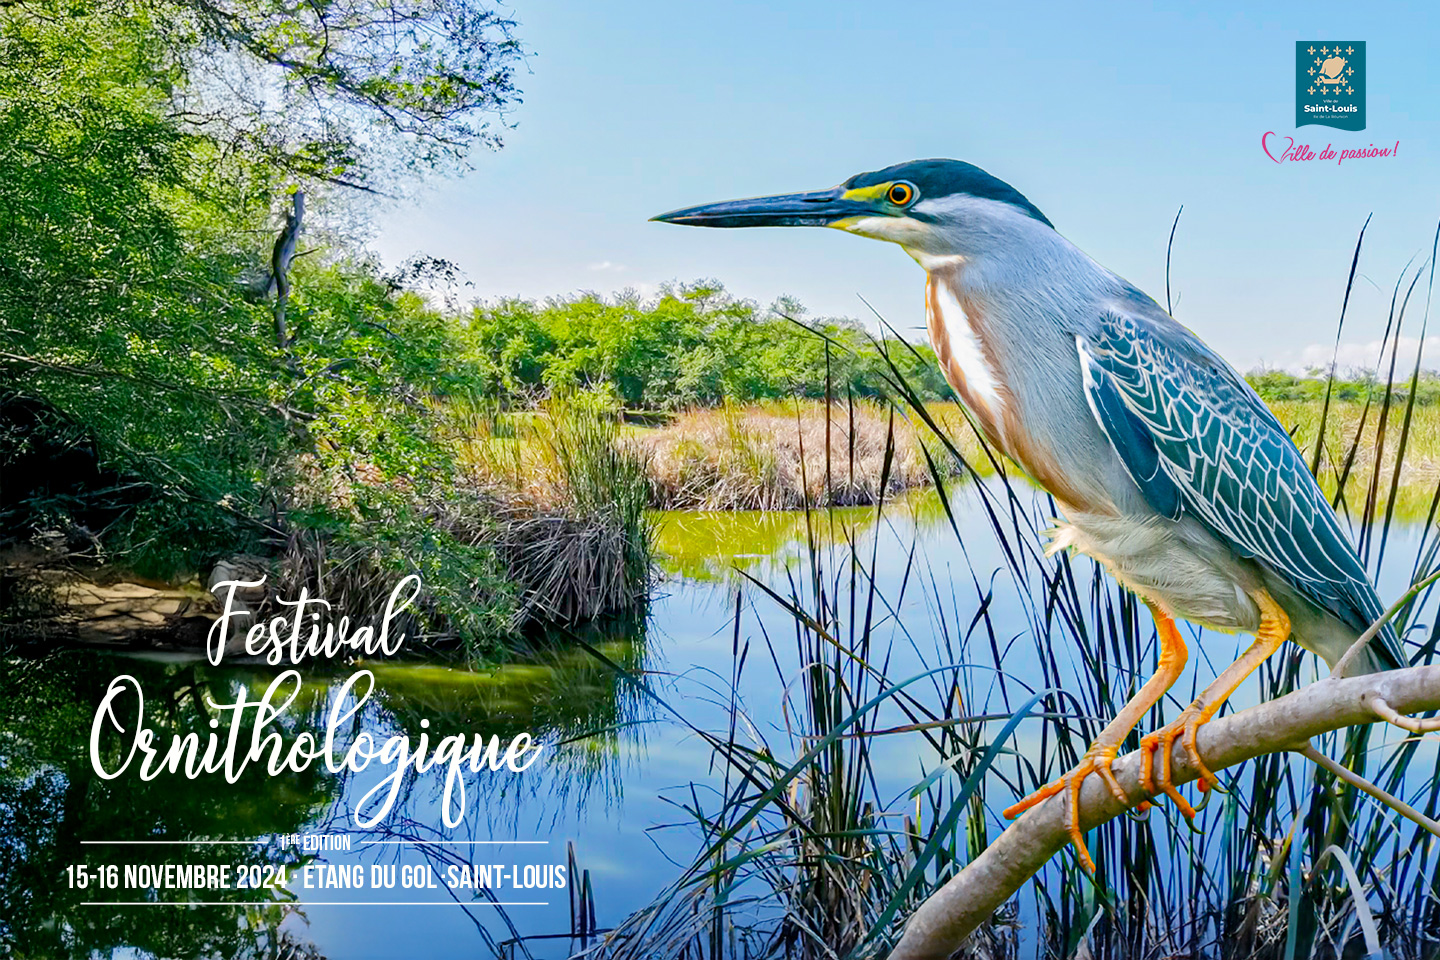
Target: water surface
x=616, y=766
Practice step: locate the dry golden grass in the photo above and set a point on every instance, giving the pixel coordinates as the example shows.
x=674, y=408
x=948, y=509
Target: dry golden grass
x=774, y=456
x=1420, y=470
x=785, y=456
x=750, y=457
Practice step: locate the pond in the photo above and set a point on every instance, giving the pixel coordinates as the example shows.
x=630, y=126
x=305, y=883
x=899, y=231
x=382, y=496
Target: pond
x=612, y=797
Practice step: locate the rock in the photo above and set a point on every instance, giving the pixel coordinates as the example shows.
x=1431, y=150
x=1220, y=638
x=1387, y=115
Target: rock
x=77, y=594
x=116, y=629
x=243, y=568
x=127, y=590
x=91, y=610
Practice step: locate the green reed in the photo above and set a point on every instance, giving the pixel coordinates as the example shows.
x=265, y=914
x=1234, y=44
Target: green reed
x=804, y=854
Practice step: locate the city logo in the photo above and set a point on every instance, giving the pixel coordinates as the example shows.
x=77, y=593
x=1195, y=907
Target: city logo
x=1330, y=84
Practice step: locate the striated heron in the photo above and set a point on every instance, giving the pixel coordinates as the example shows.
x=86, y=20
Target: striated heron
x=1167, y=466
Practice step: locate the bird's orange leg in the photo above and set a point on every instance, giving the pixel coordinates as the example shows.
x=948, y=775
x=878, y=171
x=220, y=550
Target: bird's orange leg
x=1273, y=631
x=1102, y=752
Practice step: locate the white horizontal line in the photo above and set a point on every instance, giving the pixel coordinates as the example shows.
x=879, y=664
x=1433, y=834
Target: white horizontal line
x=371, y=843
x=366, y=843
x=312, y=903
x=147, y=842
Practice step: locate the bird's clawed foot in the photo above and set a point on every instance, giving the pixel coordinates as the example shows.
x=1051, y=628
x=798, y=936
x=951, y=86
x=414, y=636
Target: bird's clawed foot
x=1096, y=760
x=1163, y=741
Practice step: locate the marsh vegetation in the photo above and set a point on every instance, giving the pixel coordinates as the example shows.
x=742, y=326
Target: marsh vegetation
x=859, y=652
x=812, y=845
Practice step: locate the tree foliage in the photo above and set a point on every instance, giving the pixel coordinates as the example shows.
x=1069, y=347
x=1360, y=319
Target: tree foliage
x=149, y=151
x=693, y=345
x=132, y=229
x=1357, y=387
x=342, y=91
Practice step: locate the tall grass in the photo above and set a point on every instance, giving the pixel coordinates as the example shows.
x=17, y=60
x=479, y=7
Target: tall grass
x=570, y=497
x=1354, y=426
x=785, y=456
x=804, y=853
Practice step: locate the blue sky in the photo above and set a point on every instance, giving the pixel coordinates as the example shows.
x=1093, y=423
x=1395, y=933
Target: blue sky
x=1107, y=116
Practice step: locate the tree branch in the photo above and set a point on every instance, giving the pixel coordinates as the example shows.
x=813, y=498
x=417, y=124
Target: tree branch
x=219, y=397
x=280, y=257
x=942, y=922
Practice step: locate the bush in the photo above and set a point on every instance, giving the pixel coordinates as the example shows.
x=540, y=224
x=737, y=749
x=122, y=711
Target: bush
x=693, y=345
x=1278, y=385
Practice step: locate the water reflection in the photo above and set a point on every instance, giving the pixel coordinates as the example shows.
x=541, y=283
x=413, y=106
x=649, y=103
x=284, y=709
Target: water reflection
x=56, y=812
x=605, y=782
x=713, y=545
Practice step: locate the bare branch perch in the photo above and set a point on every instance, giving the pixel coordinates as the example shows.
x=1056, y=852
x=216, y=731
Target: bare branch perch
x=942, y=922
x=1360, y=783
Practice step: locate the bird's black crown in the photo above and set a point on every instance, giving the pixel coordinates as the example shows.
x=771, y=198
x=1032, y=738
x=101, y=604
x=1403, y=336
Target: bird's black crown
x=943, y=178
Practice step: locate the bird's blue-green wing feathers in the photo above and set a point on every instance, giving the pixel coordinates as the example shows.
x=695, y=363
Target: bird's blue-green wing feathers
x=1197, y=440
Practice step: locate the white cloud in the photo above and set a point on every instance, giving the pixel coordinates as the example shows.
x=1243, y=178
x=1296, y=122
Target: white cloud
x=1353, y=356
x=606, y=266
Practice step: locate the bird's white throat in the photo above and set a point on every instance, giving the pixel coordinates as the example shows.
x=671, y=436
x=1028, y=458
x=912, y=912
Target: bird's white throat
x=955, y=334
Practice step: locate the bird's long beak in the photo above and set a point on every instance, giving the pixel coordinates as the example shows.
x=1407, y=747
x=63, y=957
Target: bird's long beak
x=821, y=208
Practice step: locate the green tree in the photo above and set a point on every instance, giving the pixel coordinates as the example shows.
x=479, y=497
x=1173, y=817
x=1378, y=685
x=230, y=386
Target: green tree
x=144, y=149
x=694, y=345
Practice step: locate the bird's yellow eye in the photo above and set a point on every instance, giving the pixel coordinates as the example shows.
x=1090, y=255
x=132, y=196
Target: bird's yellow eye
x=900, y=194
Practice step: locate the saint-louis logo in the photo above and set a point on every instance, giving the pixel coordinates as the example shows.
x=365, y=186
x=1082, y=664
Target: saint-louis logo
x=1330, y=84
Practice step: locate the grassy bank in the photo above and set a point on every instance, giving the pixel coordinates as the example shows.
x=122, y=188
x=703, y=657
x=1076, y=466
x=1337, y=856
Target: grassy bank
x=573, y=494
x=787, y=456
x=544, y=535
x=1360, y=435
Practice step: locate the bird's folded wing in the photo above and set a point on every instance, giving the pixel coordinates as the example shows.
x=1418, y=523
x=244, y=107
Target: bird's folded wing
x=1197, y=440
